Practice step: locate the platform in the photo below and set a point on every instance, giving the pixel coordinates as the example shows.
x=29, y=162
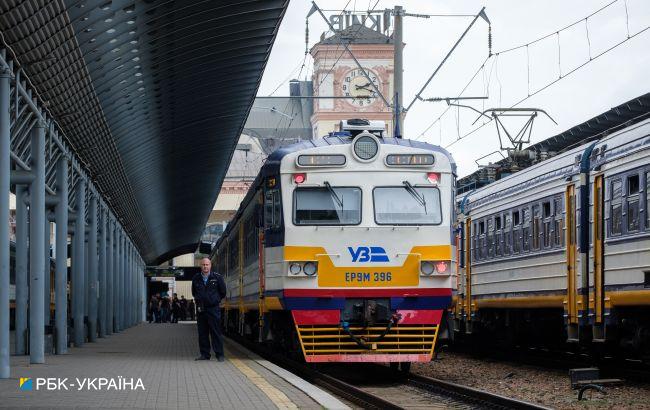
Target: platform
x=162, y=357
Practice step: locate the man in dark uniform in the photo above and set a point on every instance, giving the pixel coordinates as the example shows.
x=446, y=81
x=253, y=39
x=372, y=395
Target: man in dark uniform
x=208, y=288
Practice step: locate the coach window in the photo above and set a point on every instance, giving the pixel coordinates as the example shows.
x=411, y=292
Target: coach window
x=474, y=242
x=516, y=232
x=507, y=233
x=536, y=226
x=558, y=226
x=490, y=237
x=327, y=206
x=525, y=230
x=616, y=213
x=481, y=239
x=647, y=200
x=498, y=236
x=632, y=201
x=546, y=223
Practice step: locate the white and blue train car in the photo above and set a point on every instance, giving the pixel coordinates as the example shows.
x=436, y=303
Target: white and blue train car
x=342, y=250
x=537, y=267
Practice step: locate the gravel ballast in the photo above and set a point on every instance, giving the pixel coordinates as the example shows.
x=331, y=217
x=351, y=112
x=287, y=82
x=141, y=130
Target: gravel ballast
x=547, y=387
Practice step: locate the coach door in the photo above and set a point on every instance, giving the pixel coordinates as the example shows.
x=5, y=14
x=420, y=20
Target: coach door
x=571, y=307
x=599, y=276
x=468, y=275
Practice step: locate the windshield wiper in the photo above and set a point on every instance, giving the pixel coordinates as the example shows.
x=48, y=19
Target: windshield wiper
x=333, y=194
x=414, y=194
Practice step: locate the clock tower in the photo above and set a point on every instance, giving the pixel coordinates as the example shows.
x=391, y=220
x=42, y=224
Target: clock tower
x=336, y=74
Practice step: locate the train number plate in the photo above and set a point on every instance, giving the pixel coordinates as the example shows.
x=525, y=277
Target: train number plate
x=365, y=277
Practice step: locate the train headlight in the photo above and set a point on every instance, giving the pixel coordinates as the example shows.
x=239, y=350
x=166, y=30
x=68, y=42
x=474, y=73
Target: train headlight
x=427, y=268
x=295, y=268
x=310, y=269
x=365, y=146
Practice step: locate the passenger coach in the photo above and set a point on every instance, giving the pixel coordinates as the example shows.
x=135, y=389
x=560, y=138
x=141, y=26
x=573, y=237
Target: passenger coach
x=561, y=250
x=342, y=250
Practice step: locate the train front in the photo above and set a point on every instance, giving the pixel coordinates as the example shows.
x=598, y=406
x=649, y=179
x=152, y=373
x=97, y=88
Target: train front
x=368, y=254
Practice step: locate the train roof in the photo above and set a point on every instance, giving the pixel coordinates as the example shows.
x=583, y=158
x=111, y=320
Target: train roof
x=272, y=165
x=606, y=149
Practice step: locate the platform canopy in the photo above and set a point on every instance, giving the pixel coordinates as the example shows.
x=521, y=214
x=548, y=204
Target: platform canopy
x=152, y=95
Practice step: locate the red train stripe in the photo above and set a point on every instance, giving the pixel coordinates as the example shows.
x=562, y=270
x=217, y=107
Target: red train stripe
x=383, y=292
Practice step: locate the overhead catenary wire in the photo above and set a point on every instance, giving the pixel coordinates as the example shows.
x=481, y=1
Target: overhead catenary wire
x=527, y=45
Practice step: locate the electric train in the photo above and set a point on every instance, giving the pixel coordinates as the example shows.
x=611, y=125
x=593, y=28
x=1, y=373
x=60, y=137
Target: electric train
x=342, y=250
x=560, y=252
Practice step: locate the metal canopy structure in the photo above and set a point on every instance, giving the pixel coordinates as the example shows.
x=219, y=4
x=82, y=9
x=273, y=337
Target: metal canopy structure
x=151, y=96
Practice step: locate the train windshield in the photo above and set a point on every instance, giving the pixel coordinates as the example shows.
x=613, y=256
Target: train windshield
x=327, y=206
x=407, y=205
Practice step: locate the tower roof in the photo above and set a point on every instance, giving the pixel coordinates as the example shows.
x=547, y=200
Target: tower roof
x=358, y=34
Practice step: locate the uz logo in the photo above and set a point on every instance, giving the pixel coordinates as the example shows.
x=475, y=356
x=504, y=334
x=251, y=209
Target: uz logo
x=365, y=254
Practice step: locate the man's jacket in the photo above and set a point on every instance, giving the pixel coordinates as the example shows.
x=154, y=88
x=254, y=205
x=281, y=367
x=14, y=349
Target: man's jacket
x=209, y=294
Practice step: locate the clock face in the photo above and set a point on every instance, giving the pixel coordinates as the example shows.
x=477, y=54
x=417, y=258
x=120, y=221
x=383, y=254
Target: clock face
x=356, y=85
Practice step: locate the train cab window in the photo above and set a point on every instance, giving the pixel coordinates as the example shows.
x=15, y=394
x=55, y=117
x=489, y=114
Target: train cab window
x=327, y=206
x=616, y=209
x=632, y=203
x=407, y=205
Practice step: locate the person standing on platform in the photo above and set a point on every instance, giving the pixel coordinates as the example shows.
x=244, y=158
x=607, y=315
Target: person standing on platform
x=208, y=288
x=192, y=309
x=183, y=303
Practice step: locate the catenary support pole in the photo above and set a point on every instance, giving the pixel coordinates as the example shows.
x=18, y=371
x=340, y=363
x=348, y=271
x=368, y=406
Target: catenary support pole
x=399, y=72
x=61, y=273
x=92, y=269
x=36, y=247
x=78, y=263
x=22, y=276
x=5, y=171
x=102, y=272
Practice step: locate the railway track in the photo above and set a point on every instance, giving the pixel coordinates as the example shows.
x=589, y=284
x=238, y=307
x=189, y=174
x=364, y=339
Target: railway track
x=543, y=358
x=372, y=386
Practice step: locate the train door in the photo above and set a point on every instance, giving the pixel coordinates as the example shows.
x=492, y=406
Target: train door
x=571, y=301
x=468, y=276
x=599, y=275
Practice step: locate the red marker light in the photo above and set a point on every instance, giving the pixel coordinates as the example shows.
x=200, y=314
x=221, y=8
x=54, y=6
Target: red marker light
x=433, y=177
x=441, y=267
x=299, y=178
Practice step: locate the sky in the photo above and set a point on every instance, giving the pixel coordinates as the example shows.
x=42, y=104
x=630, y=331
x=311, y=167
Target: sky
x=507, y=77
